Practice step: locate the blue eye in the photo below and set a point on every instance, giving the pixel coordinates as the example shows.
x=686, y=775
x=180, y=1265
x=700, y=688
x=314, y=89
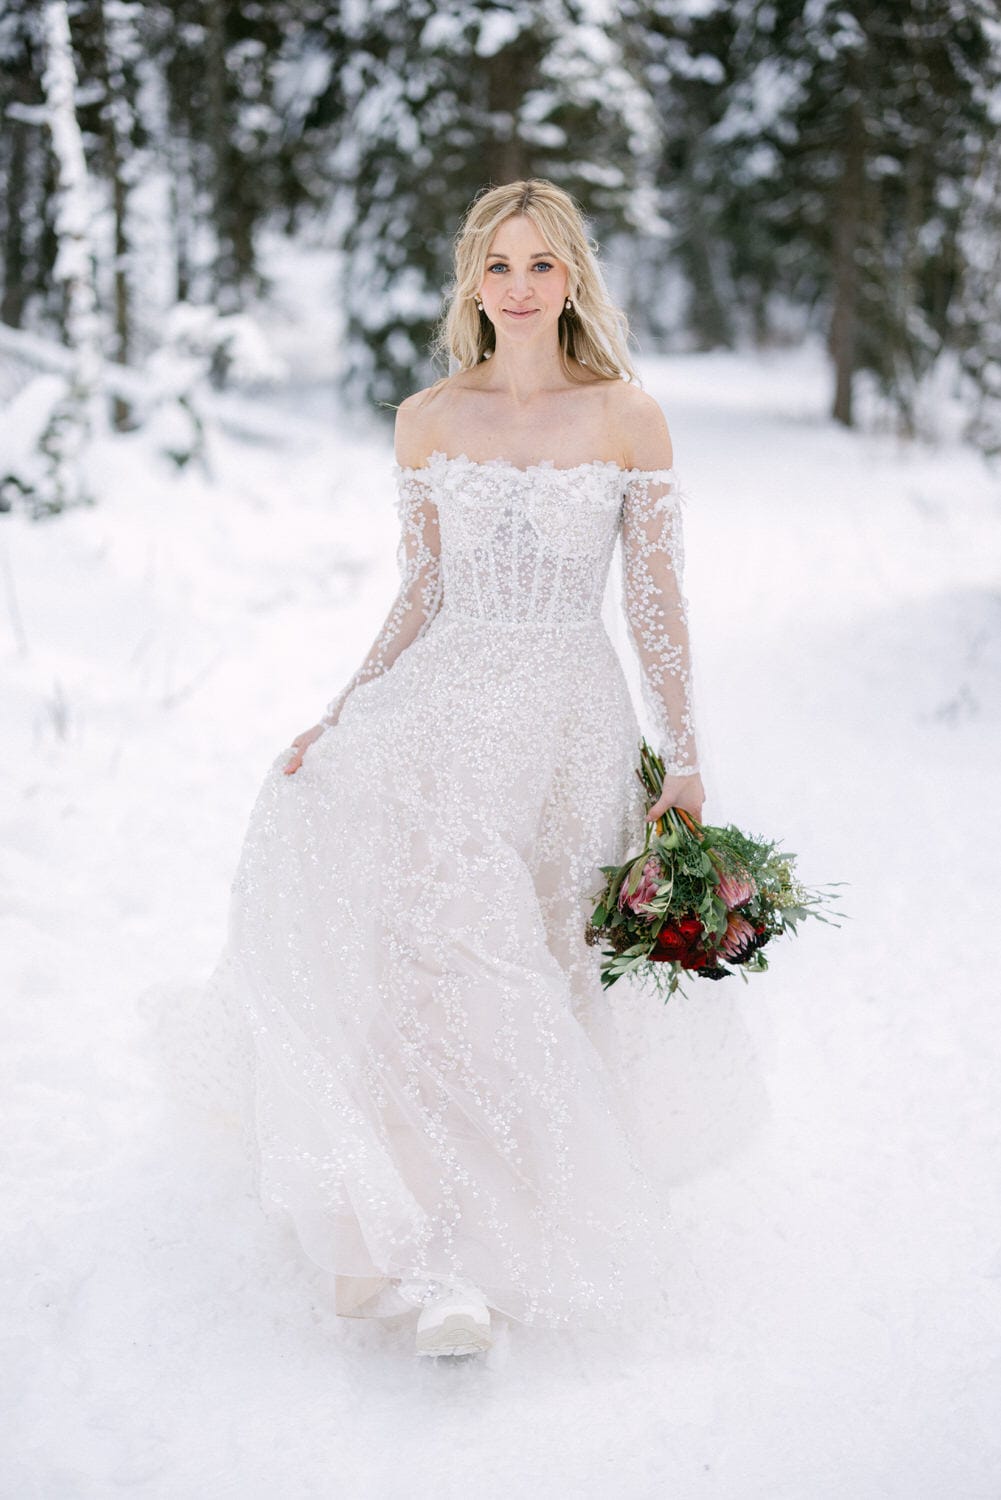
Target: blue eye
x=501, y=265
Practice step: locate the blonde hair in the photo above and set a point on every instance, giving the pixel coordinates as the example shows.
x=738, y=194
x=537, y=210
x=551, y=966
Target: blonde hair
x=594, y=332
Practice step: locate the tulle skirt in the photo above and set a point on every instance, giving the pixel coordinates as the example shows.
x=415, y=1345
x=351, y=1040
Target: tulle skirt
x=442, y=1088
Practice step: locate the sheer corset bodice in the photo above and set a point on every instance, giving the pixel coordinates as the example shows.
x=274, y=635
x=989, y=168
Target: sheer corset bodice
x=523, y=546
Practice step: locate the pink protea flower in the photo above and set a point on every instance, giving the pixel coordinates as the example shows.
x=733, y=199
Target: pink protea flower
x=645, y=891
x=735, y=890
x=739, y=935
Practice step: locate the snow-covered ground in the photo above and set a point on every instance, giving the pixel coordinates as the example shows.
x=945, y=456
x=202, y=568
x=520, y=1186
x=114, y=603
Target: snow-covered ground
x=164, y=1339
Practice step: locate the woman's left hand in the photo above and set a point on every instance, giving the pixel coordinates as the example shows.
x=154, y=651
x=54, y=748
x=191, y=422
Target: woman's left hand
x=300, y=745
x=686, y=792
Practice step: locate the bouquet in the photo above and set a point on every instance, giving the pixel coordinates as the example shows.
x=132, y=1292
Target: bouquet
x=696, y=900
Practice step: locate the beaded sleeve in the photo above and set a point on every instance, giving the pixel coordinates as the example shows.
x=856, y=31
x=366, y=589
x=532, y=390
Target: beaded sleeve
x=656, y=609
x=418, y=598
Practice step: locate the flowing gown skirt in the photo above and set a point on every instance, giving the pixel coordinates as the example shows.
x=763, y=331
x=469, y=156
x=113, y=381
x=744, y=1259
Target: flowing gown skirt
x=435, y=1090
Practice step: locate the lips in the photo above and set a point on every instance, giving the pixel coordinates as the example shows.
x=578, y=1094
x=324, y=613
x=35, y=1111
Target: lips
x=528, y=313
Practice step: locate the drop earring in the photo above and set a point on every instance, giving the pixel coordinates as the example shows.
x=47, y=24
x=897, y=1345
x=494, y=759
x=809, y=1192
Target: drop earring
x=479, y=305
x=569, y=306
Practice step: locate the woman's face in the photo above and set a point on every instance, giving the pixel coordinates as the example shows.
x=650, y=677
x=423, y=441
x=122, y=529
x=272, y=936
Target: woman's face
x=524, y=285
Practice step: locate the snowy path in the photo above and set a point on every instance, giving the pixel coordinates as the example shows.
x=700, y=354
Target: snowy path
x=164, y=1340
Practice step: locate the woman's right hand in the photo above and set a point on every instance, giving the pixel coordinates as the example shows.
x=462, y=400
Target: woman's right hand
x=686, y=792
x=300, y=745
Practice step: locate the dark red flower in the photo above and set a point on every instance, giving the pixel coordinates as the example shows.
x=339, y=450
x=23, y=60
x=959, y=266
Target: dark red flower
x=679, y=942
x=670, y=943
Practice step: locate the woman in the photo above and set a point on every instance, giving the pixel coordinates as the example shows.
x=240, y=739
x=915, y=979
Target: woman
x=434, y=1109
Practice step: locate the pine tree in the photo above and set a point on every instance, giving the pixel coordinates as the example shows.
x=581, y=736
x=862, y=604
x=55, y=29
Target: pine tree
x=750, y=168
x=438, y=102
x=222, y=133
x=850, y=124
x=682, y=284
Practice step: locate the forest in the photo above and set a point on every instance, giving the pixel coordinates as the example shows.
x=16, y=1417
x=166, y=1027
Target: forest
x=226, y=234
x=757, y=174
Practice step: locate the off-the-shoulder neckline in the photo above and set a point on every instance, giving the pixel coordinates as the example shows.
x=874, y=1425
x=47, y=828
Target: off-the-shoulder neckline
x=546, y=465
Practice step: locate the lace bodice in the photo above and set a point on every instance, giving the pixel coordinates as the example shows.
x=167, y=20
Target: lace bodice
x=530, y=548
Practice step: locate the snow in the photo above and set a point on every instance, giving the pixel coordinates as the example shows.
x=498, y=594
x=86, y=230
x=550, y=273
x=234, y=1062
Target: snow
x=497, y=29
x=164, y=1338
x=23, y=421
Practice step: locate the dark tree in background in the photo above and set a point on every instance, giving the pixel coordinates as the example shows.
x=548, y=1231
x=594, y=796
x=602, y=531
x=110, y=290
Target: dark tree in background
x=881, y=120
x=109, y=57
x=817, y=171
x=684, y=290
x=757, y=171
x=26, y=167
x=431, y=104
x=218, y=60
x=976, y=312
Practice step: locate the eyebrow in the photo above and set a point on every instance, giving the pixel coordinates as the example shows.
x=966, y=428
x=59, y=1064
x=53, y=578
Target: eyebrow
x=536, y=255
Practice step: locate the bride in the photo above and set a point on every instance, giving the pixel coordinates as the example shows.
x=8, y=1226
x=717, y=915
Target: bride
x=435, y=1109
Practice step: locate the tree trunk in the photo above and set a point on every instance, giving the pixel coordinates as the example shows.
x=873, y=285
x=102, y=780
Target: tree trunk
x=506, y=156
x=847, y=228
x=71, y=425
x=116, y=122
x=15, y=265
x=225, y=190
x=706, y=316
x=180, y=193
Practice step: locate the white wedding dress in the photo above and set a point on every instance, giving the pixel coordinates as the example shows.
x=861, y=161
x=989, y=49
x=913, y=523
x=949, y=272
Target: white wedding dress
x=434, y=1097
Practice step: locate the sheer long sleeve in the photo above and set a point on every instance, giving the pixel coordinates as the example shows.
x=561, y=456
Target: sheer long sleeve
x=656, y=610
x=419, y=596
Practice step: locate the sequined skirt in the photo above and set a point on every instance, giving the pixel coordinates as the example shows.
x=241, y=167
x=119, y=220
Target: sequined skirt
x=436, y=1092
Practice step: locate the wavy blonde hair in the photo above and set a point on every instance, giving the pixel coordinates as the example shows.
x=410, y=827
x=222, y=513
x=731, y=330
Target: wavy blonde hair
x=594, y=332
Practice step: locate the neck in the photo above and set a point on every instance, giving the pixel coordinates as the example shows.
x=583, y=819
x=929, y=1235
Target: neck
x=522, y=372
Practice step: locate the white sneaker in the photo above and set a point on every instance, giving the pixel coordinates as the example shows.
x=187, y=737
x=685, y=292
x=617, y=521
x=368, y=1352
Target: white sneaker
x=455, y=1321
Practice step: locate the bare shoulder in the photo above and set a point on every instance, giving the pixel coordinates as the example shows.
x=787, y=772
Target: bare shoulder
x=639, y=428
x=417, y=420
x=413, y=438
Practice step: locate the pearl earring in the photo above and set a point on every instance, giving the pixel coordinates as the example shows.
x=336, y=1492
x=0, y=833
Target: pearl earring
x=479, y=304
x=569, y=305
